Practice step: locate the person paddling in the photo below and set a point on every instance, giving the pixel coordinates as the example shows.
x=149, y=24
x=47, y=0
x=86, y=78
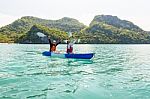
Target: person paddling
x=70, y=43
x=70, y=46
x=53, y=45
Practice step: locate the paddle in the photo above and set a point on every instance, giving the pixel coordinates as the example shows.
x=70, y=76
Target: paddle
x=43, y=35
x=70, y=34
x=78, y=40
x=65, y=41
x=40, y=34
x=75, y=40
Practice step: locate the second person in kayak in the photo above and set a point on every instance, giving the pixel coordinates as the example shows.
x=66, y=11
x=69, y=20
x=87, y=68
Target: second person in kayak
x=70, y=46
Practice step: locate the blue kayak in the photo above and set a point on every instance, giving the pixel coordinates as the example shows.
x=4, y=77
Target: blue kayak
x=72, y=55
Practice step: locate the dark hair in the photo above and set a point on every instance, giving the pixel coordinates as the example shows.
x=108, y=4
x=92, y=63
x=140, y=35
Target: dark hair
x=68, y=41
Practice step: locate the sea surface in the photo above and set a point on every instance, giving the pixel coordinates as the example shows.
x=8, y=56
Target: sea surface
x=115, y=72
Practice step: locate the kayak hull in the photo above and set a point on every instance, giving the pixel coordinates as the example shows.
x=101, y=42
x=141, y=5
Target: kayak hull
x=73, y=55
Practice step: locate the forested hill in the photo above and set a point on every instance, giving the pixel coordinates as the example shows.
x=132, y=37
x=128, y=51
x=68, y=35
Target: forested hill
x=31, y=36
x=25, y=23
x=111, y=29
x=13, y=31
x=116, y=22
x=102, y=29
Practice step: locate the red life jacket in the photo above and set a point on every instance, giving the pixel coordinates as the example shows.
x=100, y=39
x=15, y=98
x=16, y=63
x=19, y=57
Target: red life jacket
x=70, y=49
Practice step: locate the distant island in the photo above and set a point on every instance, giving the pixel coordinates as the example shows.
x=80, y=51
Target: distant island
x=103, y=29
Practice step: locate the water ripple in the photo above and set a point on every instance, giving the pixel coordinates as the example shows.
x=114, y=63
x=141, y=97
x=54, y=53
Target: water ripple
x=115, y=71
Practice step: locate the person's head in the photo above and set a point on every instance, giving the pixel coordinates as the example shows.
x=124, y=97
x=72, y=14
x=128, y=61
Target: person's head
x=68, y=41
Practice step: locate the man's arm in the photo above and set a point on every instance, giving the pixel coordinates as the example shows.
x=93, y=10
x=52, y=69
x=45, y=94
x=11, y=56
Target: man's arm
x=50, y=43
x=49, y=40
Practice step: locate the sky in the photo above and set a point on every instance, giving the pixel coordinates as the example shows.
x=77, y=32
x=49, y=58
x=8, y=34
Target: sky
x=136, y=11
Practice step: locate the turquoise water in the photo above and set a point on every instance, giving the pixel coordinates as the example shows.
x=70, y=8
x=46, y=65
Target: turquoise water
x=116, y=72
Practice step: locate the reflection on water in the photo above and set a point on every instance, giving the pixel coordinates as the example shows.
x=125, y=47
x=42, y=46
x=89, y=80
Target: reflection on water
x=115, y=71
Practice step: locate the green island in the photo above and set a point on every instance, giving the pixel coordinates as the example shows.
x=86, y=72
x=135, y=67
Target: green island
x=103, y=29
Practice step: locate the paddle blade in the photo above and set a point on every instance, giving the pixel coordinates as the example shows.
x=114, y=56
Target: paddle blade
x=65, y=41
x=40, y=34
x=78, y=41
x=70, y=34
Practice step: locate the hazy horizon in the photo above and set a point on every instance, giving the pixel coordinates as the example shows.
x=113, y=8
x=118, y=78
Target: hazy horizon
x=135, y=11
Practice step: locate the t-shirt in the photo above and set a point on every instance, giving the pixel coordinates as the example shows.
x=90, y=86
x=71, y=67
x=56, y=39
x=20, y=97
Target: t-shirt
x=71, y=44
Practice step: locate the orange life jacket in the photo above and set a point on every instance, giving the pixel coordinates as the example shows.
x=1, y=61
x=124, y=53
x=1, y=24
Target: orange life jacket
x=53, y=48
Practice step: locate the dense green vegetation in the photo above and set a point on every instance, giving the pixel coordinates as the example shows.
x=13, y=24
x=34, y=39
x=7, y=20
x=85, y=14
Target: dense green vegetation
x=102, y=29
x=4, y=38
x=25, y=23
x=20, y=27
x=32, y=37
x=116, y=22
x=110, y=29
